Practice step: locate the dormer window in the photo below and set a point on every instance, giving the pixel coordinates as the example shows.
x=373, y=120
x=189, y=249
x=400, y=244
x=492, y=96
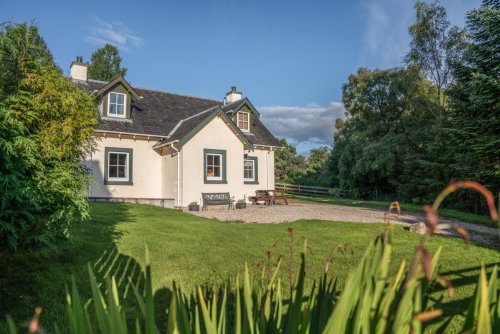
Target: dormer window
x=116, y=104
x=243, y=121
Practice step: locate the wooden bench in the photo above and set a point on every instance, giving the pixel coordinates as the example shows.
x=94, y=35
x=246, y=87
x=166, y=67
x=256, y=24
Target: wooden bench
x=217, y=199
x=261, y=195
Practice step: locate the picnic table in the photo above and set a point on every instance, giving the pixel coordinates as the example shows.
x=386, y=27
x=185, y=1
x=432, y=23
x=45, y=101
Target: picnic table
x=268, y=197
x=278, y=194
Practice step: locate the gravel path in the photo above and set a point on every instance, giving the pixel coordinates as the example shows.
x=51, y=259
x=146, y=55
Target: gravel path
x=275, y=214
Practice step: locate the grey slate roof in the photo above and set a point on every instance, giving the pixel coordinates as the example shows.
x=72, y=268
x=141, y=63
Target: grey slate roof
x=158, y=113
x=186, y=125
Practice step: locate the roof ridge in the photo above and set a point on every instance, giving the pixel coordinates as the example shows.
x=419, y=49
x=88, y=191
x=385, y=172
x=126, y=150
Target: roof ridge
x=188, y=118
x=160, y=91
x=234, y=102
x=172, y=93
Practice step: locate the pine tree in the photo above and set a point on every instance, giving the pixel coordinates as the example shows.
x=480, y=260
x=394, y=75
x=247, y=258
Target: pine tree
x=105, y=64
x=475, y=99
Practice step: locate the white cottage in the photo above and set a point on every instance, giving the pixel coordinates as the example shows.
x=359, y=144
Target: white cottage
x=167, y=149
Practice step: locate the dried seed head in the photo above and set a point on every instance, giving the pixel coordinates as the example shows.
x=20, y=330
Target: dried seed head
x=445, y=282
x=463, y=232
x=428, y=315
x=34, y=325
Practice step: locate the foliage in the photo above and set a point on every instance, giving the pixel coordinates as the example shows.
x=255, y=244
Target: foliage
x=472, y=134
x=288, y=165
x=317, y=171
x=45, y=128
x=434, y=45
x=386, y=144
x=403, y=141
x=105, y=64
x=294, y=168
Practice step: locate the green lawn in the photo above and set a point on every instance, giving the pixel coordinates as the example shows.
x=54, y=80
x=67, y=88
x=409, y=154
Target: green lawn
x=193, y=251
x=450, y=213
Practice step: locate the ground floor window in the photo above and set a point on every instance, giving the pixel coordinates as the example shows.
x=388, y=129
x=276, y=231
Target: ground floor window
x=250, y=170
x=214, y=166
x=118, y=165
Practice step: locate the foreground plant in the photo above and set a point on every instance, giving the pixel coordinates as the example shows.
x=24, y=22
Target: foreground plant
x=371, y=301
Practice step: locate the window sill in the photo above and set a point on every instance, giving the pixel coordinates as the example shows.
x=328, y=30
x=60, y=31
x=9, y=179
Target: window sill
x=251, y=182
x=116, y=183
x=115, y=118
x=215, y=182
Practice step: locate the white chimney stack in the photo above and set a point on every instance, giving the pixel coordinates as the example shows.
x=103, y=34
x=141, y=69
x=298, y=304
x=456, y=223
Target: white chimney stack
x=233, y=95
x=78, y=69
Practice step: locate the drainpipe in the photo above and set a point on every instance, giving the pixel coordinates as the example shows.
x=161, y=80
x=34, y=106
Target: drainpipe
x=267, y=168
x=91, y=175
x=178, y=172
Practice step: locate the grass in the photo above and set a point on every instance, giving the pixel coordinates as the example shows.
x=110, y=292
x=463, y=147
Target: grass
x=449, y=213
x=198, y=251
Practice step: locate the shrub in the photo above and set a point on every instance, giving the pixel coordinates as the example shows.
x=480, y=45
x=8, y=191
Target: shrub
x=46, y=123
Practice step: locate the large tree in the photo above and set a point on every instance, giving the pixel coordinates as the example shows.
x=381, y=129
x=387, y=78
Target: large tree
x=105, y=64
x=46, y=125
x=474, y=140
x=317, y=171
x=435, y=45
x=388, y=134
x=288, y=164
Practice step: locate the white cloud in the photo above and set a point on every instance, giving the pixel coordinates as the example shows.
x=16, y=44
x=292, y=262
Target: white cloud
x=116, y=33
x=386, y=34
x=305, y=127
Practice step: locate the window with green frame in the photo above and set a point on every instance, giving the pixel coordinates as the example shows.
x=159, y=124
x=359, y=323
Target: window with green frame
x=118, y=165
x=214, y=166
x=251, y=170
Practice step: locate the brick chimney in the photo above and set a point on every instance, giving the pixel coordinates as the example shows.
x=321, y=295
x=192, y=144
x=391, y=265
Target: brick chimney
x=78, y=69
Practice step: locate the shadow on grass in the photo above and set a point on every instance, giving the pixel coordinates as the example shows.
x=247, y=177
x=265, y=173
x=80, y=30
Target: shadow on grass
x=31, y=278
x=457, y=307
x=127, y=270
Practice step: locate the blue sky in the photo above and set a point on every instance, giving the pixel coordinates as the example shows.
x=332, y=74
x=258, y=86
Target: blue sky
x=289, y=57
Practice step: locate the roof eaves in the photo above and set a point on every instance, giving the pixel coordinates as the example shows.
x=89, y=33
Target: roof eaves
x=161, y=143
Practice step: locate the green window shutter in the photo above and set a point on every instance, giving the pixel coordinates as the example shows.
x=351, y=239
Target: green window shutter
x=130, y=163
x=222, y=165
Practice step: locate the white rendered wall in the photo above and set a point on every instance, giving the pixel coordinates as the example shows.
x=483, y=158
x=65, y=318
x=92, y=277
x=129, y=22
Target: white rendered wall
x=217, y=135
x=147, y=170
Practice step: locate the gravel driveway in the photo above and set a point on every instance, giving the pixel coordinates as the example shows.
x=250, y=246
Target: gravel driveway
x=275, y=214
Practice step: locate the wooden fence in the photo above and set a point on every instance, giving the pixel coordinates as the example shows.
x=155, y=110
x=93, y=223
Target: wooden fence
x=310, y=191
